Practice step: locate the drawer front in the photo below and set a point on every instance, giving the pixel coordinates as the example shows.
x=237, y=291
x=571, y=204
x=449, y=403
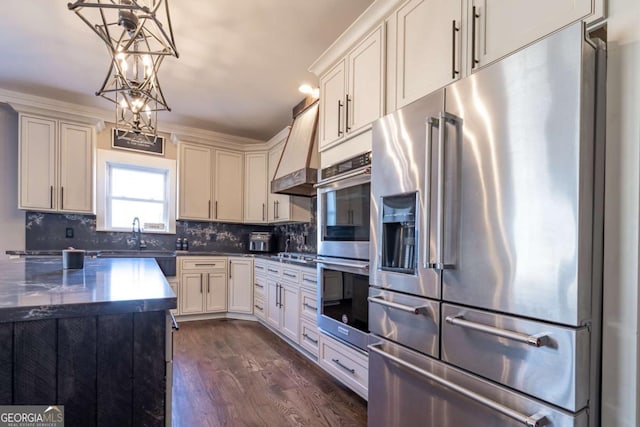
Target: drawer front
x=203, y=263
x=309, y=278
x=259, y=266
x=259, y=308
x=547, y=361
x=344, y=363
x=259, y=286
x=427, y=392
x=408, y=320
x=274, y=269
x=309, y=305
x=309, y=337
x=290, y=275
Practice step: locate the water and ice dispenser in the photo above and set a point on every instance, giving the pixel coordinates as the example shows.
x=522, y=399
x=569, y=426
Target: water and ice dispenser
x=399, y=234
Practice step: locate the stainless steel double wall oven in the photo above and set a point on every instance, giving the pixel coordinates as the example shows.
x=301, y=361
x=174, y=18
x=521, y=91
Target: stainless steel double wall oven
x=344, y=195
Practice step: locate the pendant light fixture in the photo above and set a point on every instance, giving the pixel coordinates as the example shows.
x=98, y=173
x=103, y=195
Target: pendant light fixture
x=138, y=36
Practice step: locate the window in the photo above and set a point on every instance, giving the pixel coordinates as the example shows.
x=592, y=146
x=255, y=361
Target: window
x=132, y=186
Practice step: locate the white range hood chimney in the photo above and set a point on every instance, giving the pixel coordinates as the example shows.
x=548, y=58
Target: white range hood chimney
x=297, y=169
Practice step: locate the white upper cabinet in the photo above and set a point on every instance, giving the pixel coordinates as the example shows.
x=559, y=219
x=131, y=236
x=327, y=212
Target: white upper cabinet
x=56, y=165
x=504, y=26
x=351, y=93
x=196, y=182
x=426, y=35
x=255, y=188
x=332, y=104
x=229, y=176
x=211, y=183
x=431, y=43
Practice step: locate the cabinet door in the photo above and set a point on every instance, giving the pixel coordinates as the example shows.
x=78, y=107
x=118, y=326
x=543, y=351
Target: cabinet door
x=240, y=285
x=332, y=105
x=504, y=26
x=37, y=163
x=278, y=206
x=76, y=168
x=273, y=303
x=424, y=46
x=191, y=293
x=195, y=182
x=216, y=300
x=364, y=102
x=255, y=188
x=229, y=167
x=290, y=312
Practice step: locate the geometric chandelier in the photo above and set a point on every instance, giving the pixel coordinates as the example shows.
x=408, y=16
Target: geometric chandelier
x=138, y=36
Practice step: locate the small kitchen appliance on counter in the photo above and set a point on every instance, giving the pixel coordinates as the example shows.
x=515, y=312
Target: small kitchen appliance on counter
x=261, y=242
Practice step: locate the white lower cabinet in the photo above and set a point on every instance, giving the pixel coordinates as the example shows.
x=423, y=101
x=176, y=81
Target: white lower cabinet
x=259, y=308
x=282, y=307
x=240, y=285
x=309, y=336
x=203, y=285
x=346, y=364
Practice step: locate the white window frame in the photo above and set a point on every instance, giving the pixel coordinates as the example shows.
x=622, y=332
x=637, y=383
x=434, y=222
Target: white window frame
x=105, y=158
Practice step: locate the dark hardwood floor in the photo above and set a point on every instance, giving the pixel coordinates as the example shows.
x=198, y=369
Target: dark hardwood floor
x=238, y=373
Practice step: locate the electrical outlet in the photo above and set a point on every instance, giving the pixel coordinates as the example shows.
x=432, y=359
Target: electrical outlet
x=68, y=233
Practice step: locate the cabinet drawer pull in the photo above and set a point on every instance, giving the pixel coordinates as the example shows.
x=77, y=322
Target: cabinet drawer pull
x=310, y=306
x=205, y=265
x=289, y=274
x=272, y=271
x=536, y=340
x=258, y=285
x=258, y=307
x=346, y=368
x=454, y=30
x=310, y=280
x=307, y=337
x=259, y=267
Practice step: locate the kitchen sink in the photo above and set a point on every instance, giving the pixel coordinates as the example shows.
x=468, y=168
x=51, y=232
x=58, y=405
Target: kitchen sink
x=166, y=259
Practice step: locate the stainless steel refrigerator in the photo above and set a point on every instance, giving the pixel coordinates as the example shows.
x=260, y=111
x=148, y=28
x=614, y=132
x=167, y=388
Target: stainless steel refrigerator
x=486, y=251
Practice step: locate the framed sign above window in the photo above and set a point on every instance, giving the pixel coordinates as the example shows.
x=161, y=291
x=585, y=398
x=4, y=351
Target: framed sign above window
x=127, y=140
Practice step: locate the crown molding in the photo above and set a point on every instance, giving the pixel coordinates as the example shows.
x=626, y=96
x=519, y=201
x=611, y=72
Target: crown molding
x=367, y=21
x=33, y=104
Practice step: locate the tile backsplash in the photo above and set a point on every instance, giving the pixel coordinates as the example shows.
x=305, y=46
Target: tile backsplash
x=48, y=231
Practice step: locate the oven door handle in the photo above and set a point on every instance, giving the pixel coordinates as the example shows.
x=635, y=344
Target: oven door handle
x=379, y=299
x=362, y=266
x=535, y=420
x=366, y=170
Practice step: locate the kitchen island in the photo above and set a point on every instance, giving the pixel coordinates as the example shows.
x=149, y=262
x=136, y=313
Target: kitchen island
x=96, y=340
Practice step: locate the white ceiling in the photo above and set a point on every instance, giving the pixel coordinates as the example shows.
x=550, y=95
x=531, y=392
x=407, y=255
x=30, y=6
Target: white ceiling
x=240, y=65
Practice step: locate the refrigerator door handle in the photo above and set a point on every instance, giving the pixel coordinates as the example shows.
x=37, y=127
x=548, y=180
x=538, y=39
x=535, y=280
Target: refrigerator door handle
x=379, y=299
x=535, y=420
x=444, y=119
x=536, y=340
x=430, y=124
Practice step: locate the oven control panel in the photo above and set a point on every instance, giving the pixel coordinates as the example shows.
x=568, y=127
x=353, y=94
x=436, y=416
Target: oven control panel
x=346, y=166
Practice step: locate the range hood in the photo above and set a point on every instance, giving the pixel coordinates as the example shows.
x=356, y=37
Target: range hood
x=297, y=169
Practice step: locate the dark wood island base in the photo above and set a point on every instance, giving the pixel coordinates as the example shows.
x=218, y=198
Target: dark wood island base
x=107, y=367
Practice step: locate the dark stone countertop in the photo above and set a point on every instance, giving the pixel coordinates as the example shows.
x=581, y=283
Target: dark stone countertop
x=35, y=288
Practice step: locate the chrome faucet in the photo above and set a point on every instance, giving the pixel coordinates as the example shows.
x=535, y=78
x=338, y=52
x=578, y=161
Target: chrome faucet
x=286, y=244
x=137, y=234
